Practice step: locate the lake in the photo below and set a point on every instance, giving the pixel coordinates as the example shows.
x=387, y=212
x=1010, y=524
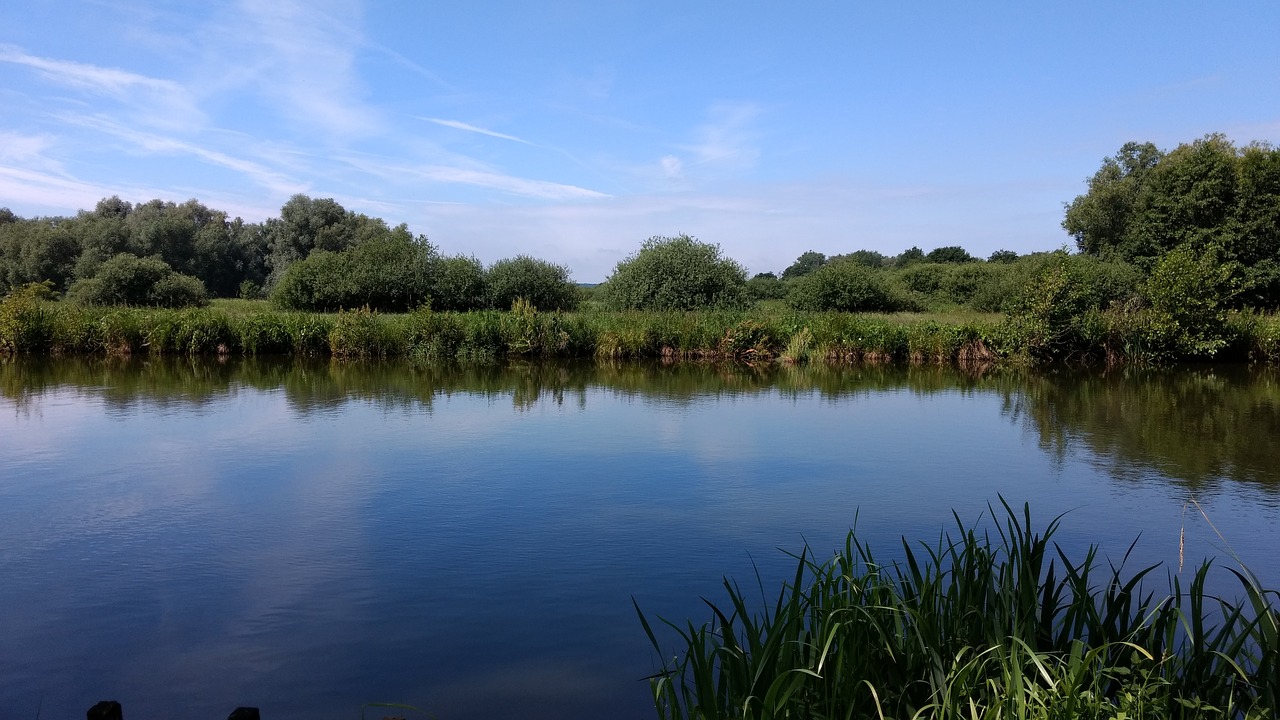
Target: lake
x=304, y=537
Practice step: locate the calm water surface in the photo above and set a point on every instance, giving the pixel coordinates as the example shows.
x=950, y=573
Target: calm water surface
x=189, y=537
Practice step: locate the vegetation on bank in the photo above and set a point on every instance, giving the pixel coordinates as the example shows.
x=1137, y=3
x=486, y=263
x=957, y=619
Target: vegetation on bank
x=1179, y=259
x=977, y=628
x=1048, y=332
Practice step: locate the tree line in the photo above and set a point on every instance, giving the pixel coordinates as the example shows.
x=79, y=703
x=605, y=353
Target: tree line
x=1189, y=233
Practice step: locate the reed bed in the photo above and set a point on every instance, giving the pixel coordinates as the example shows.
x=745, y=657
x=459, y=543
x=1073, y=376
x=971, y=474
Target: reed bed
x=977, y=627
x=768, y=333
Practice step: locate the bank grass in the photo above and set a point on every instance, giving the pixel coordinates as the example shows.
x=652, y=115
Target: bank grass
x=999, y=624
x=766, y=333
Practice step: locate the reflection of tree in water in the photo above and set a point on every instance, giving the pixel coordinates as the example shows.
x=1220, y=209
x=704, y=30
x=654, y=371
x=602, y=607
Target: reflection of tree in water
x=1196, y=425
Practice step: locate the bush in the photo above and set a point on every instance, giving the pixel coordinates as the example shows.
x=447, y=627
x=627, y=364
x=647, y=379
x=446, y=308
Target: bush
x=1189, y=293
x=459, y=284
x=766, y=286
x=847, y=287
x=390, y=273
x=545, y=285
x=678, y=273
x=130, y=280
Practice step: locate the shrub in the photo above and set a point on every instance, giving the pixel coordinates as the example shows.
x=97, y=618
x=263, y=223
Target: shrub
x=678, y=273
x=847, y=287
x=545, y=285
x=127, y=279
x=390, y=273
x=765, y=286
x=459, y=284
x=25, y=322
x=1189, y=293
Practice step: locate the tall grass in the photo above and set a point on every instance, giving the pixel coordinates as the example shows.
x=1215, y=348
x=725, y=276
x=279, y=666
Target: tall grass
x=34, y=325
x=977, y=627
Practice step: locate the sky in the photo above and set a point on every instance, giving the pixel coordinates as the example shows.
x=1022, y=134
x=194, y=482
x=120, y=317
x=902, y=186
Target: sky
x=572, y=131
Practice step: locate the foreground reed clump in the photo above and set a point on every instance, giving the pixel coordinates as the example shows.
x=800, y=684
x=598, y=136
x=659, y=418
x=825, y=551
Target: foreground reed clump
x=978, y=628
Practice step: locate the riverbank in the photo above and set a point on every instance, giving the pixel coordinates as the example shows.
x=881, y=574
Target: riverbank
x=764, y=334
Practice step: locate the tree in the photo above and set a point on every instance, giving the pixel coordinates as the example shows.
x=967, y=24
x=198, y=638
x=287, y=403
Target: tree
x=909, y=257
x=677, y=273
x=1100, y=219
x=1143, y=204
x=868, y=258
x=1003, y=257
x=545, y=285
x=459, y=284
x=949, y=254
x=127, y=279
x=805, y=264
x=766, y=286
x=391, y=273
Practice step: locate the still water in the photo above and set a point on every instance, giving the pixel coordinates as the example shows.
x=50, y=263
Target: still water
x=307, y=537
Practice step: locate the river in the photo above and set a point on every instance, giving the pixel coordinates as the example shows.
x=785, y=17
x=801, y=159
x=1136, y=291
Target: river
x=304, y=537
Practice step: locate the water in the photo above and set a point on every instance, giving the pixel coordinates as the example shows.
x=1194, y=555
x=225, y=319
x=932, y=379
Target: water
x=188, y=537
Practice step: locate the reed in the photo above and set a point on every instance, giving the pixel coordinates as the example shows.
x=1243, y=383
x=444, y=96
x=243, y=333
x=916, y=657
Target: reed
x=36, y=325
x=976, y=627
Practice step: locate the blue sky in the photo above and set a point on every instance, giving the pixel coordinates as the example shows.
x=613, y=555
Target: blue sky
x=572, y=131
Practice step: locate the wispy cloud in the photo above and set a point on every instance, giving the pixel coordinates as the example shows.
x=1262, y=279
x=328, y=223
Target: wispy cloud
x=458, y=125
x=728, y=138
x=475, y=176
x=306, y=63
x=154, y=101
x=540, y=189
x=265, y=177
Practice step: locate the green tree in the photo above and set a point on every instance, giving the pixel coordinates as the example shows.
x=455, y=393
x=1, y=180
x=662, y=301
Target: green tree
x=1003, y=257
x=805, y=264
x=847, y=287
x=391, y=273
x=949, y=254
x=130, y=280
x=1100, y=220
x=459, y=284
x=543, y=284
x=1189, y=292
x=766, y=286
x=909, y=257
x=677, y=273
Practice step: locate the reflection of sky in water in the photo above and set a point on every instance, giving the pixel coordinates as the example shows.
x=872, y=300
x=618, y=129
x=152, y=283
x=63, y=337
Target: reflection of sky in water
x=478, y=557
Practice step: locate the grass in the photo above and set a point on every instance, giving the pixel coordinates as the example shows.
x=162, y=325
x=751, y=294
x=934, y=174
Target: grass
x=977, y=627
x=766, y=333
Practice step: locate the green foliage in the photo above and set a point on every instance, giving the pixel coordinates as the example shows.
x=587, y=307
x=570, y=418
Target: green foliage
x=805, y=264
x=390, y=273
x=459, y=284
x=1144, y=203
x=1189, y=292
x=949, y=254
x=25, y=323
x=1003, y=257
x=677, y=273
x=545, y=285
x=909, y=257
x=766, y=286
x=1044, y=322
x=130, y=280
x=847, y=287
x=974, y=628
x=362, y=334
x=869, y=258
